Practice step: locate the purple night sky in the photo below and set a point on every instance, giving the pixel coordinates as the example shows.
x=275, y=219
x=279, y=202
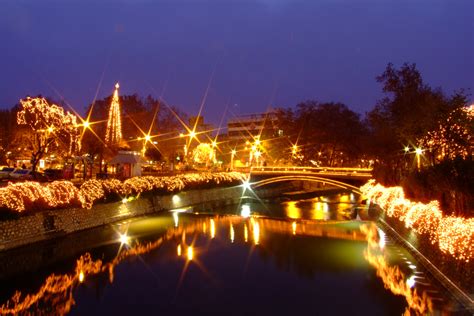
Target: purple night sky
x=258, y=53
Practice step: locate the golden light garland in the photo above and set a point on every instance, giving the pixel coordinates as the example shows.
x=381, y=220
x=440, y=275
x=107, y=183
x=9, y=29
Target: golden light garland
x=453, y=235
x=50, y=123
x=452, y=138
x=29, y=196
x=113, y=133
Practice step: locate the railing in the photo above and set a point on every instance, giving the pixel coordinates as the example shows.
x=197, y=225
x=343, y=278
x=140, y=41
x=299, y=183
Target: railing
x=353, y=172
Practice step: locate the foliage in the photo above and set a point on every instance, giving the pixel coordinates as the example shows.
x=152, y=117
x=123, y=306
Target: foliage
x=452, y=138
x=328, y=132
x=204, y=154
x=408, y=112
x=52, y=128
x=153, y=153
x=450, y=182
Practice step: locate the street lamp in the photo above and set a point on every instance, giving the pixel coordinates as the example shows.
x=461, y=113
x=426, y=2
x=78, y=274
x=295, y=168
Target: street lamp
x=257, y=155
x=232, y=155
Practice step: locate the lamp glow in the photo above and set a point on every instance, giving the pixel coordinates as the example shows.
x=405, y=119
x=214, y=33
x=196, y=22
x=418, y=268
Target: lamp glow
x=124, y=239
x=81, y=277
x=245, y=212
x=190, y=253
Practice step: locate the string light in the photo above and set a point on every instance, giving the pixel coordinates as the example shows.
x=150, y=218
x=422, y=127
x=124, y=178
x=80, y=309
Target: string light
x=27, y=196
x=52, y=125
x=452, y=138
x=113, y=134
x=453, y=235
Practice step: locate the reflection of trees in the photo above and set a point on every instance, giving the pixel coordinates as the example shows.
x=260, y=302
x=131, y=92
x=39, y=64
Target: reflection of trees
x=288, y=243
x=307, y=256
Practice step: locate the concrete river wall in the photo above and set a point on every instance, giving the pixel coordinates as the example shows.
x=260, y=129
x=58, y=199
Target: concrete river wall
x=51, y=224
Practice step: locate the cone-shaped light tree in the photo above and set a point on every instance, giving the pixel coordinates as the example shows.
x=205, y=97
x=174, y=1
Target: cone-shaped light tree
x=113, y=133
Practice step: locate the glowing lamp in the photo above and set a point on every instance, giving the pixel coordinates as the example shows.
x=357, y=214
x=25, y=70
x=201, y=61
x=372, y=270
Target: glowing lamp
x=245, y=212
x=124, y=239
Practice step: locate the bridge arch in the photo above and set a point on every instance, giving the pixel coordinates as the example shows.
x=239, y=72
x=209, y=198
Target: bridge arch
x=311, y=178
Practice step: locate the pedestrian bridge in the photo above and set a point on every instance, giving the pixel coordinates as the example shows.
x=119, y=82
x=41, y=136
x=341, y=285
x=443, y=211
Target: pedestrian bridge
x=347, y=178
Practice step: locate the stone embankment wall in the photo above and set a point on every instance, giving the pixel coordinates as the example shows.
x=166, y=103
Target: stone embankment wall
x=55, y=223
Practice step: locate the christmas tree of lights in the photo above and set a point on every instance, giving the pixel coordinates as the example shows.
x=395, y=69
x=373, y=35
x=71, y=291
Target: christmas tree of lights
x=113, y=134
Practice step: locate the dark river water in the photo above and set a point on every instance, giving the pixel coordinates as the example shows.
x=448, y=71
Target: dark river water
x=313, y=257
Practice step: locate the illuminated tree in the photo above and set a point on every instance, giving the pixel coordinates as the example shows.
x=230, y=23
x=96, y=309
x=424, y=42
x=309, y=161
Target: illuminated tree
x=113, y=134
x=204, y=154
x=453, y=137
x=51, y=127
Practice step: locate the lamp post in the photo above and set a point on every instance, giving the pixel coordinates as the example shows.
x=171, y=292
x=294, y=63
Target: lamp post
x=232, y=155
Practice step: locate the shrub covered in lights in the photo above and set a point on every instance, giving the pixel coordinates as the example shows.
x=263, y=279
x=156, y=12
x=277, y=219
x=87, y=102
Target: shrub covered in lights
x=453, y=235
x=33, y=196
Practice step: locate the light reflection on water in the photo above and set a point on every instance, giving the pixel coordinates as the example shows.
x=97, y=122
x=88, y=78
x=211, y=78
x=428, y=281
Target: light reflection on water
x=338, y=207
x=191, y=235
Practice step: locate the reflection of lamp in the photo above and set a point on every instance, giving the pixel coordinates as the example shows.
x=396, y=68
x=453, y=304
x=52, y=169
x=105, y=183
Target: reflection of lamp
x=190, y=253
x=245, y=212
x=418, y=152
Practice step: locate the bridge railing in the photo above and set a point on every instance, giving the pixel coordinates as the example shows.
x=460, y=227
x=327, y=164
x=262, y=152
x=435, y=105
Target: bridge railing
x=332, y=170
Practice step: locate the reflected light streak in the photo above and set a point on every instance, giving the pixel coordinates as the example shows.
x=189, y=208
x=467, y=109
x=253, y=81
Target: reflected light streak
x=293, y=228
x=175, y=219
x=256, y=232
x=190, y=253
x=179, y=250
x=292, y=211
x=232, y=233
x=320, y=211
x=213, y=228
x=246, y=233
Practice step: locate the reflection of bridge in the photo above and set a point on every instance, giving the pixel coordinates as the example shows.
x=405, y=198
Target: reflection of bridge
x=348, y=178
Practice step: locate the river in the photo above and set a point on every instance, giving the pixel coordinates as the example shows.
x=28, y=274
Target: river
x=316, y=256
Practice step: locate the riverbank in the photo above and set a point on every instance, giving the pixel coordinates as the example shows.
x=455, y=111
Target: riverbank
x=444, y=244
x=50, y=224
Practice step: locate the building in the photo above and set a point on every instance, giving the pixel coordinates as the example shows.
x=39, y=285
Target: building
x=253, y=137
x=245, y=128
x=127, y=164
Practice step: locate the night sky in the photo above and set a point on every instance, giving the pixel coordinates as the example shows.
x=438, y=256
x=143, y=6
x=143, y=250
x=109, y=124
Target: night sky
x=253, y=53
